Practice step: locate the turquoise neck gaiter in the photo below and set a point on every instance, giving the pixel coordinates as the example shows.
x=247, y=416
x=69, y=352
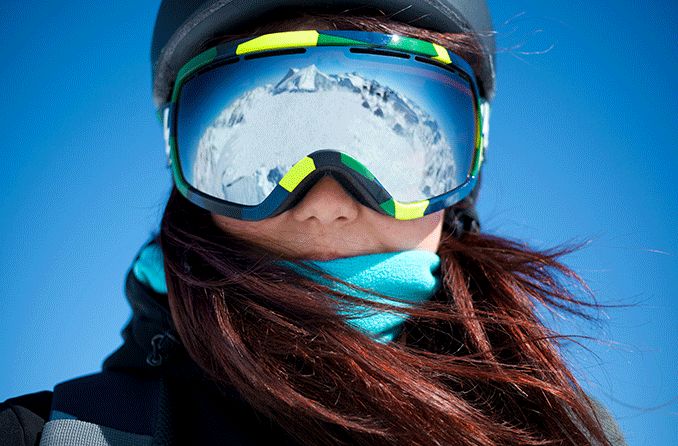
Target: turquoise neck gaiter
x=412, y=275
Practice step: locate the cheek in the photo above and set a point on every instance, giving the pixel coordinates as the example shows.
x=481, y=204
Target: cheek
x=409, y=233
x=272, y=234
x=244, y=229
x=431, y=224
x=432, y=228
x=426, y=224
x=223, y=223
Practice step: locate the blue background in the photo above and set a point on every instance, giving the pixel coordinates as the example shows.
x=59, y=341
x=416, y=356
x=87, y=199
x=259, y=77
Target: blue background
x=582, y=147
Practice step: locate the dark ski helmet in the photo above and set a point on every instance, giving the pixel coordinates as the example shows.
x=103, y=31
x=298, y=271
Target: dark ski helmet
x=183, y=25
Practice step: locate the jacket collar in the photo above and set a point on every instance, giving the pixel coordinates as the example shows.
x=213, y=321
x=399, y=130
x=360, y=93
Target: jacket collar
x=150, y=339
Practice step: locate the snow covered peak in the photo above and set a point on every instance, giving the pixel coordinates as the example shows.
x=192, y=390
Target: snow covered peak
x=304, y=79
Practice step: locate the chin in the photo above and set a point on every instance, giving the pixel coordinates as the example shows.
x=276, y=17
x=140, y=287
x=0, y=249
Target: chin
x=325, y=256
x=322, y=257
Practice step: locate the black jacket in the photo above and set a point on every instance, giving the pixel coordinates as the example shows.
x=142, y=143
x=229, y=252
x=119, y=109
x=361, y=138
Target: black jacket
x=165, y=396
x=163, y=386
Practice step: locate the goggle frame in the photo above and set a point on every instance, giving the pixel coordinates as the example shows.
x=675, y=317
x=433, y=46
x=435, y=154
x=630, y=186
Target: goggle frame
x=370, y=192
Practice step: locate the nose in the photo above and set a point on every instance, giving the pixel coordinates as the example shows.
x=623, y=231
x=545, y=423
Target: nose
x=328, y=202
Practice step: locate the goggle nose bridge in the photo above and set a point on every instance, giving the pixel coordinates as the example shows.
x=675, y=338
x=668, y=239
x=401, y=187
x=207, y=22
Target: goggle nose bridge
x=350, y=181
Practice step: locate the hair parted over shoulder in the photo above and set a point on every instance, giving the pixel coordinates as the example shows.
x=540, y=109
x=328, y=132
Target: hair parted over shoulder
x=473, y=366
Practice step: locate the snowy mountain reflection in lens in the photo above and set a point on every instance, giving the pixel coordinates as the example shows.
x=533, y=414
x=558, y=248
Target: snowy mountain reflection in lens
x=260, y=135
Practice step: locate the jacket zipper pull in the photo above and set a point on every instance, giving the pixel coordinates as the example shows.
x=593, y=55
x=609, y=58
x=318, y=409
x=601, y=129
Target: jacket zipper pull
x=160, y=344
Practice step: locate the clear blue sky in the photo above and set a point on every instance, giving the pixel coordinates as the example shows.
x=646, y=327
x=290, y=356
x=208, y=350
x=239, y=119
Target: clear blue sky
x=582, y=146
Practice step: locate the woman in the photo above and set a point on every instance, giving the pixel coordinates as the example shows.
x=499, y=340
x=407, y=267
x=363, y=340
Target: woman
x=309, y=285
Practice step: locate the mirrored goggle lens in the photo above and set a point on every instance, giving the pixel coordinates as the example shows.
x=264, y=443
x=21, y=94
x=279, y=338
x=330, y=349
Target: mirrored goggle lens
x=242, y=125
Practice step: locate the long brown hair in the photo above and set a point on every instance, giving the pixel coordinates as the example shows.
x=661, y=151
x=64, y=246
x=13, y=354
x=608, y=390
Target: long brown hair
x=473, y=366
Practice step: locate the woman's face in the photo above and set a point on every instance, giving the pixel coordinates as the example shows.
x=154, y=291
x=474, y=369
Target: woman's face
x=329, y=223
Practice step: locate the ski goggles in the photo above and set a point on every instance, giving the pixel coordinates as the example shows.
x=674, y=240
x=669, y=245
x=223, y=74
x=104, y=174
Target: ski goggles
x=253, y=123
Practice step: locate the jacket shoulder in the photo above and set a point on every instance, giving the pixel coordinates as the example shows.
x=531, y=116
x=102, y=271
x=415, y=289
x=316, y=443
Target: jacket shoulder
x=608, y=422
x=23, y=417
